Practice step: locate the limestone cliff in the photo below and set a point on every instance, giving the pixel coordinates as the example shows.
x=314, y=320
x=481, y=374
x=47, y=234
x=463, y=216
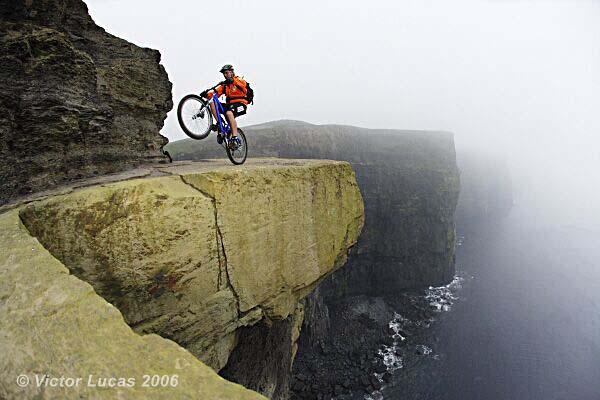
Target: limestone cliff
x=75, y=101
x=410, y=184
x=197, y=253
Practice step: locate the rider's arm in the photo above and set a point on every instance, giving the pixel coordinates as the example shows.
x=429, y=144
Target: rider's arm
x=218, y=90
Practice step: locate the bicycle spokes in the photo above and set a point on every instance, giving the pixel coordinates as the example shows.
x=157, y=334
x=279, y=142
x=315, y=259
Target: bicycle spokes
x=194, y=117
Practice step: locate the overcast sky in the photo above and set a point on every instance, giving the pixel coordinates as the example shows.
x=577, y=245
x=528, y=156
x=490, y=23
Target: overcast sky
x=519, y=78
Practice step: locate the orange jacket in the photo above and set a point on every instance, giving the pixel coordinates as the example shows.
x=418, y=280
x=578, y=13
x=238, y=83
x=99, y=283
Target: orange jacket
x=235, y=92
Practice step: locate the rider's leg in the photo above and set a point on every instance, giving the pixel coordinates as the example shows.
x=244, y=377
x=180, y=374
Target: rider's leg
x=232, y=123
x=213, y=109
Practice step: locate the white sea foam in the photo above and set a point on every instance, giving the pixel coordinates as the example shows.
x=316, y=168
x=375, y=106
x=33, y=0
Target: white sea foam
x=376, y=395
x=441, y=298
x=390, y=359
x=422, y=349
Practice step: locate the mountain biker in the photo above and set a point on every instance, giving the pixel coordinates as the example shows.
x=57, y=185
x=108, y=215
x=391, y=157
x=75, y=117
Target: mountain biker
x=236, y=92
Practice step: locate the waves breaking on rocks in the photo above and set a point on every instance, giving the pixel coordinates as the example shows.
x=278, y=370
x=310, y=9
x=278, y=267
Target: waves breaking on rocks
x=442, y=298
x=431, y=302
x=389, y=353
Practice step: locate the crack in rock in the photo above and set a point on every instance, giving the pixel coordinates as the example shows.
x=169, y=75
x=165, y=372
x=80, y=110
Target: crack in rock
x=220, y=247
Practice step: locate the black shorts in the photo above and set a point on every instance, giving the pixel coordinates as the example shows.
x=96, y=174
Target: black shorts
x=236, y=108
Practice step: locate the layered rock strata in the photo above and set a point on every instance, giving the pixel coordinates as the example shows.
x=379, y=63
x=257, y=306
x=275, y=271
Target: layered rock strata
x=75, y=101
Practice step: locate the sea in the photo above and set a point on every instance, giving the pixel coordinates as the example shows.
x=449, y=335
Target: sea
x=520, y=320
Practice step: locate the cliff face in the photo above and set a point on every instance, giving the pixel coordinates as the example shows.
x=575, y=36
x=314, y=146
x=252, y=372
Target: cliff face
x=410, y=184
x=75, y=101
x=205, y=255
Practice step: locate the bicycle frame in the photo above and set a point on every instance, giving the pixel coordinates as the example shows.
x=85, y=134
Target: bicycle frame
x=223, y=125
x=224, y=129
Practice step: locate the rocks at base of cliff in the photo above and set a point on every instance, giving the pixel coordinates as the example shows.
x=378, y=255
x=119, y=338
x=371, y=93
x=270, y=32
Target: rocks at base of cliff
x=344, y=361
x=75, y=101
x=374, y=342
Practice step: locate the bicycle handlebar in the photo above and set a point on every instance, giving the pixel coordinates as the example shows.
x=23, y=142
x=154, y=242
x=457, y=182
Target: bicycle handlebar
x=203, y=94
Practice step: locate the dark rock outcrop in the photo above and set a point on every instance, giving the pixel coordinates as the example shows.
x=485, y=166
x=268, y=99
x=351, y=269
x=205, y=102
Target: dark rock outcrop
x=261, y=360
x=75, y=101
x=342, y=361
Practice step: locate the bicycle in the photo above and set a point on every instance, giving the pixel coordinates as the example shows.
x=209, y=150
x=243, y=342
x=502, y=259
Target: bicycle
x=196, y=120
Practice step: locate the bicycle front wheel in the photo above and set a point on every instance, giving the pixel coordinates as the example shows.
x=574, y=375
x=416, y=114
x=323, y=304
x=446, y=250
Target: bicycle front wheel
x=194, y=116
x=238, y=154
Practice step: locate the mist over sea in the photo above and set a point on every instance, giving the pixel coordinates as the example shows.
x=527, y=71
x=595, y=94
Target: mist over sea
x=524, y=323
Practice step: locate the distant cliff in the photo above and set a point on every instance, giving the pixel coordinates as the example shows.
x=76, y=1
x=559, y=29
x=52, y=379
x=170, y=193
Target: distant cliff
x=75, y=101
x=410, y=184
x=213, y=257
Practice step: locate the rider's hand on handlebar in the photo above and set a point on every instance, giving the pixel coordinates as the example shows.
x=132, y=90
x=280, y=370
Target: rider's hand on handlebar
x=204, y=94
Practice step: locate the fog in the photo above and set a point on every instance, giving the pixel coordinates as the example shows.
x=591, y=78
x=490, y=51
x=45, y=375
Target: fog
x=516, y=79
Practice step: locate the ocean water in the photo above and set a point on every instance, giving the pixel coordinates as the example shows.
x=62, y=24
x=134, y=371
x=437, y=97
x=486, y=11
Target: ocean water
x=521, y=320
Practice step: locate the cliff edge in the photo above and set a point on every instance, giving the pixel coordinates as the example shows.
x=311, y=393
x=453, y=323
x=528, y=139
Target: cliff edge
x=410, y=184
x=139, y=276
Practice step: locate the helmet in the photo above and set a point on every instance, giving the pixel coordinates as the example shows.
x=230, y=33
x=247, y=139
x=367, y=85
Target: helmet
x=226, y=67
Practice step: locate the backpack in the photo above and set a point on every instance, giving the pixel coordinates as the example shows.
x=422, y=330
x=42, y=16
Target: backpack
x=249, y=93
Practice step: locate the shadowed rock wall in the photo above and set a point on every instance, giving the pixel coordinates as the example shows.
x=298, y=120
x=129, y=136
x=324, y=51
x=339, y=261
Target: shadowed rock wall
x=75, y=101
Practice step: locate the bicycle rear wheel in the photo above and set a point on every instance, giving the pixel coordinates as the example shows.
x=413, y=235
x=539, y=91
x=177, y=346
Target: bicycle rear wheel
x=238, y=154
x=194, y=116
